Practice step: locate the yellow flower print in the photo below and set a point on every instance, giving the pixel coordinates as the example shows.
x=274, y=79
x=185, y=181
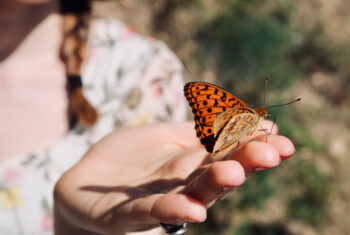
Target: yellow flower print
x=10, y=198
x=143, y=120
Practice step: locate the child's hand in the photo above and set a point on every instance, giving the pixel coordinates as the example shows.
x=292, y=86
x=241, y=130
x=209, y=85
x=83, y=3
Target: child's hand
x=137, y=177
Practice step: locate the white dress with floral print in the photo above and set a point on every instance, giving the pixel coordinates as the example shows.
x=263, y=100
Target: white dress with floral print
x=132, y=80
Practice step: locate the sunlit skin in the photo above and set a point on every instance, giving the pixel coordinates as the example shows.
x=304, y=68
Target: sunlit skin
x=136, y=177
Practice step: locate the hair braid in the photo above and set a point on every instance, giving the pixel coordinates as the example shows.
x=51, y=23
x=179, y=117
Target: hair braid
x=73, y=52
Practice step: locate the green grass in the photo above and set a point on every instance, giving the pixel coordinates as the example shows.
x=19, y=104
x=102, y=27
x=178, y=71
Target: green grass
x=251, y=228
x=256, y=191
x=248, y=46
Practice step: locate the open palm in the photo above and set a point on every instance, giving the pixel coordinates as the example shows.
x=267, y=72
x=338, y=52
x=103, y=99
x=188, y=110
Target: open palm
x=136, y=177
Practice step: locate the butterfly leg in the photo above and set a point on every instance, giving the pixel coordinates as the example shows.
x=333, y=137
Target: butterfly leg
x=266, y=133
x=273, y=124
x=274, y=121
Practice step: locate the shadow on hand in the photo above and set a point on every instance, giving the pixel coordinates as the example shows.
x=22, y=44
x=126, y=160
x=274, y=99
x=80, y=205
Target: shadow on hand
x=134, y=193
x=153, y=187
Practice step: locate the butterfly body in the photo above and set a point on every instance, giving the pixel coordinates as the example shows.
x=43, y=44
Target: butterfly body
x=221, y=118
x=232, y=125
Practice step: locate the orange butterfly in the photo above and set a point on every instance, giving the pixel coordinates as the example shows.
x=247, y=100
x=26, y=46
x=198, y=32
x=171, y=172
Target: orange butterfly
x=221, y=118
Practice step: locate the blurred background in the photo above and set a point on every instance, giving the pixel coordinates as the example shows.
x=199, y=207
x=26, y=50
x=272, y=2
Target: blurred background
x=303, y=46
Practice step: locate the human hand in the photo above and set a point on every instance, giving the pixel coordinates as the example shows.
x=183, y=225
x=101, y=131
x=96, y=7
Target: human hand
x=136, y=177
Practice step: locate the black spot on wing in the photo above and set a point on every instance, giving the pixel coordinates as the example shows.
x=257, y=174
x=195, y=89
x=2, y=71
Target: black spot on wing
x=208, y=142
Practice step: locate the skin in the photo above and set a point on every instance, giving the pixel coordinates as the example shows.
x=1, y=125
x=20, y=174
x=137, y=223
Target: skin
x=136, y=177
x=32, y=78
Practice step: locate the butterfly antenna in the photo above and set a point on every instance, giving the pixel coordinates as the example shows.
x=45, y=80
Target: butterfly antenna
x=266, y=82
x=285, y=103
x=274, y=122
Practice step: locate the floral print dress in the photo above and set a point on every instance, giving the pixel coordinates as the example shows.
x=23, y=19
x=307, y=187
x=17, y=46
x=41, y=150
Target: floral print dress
x=132, y=80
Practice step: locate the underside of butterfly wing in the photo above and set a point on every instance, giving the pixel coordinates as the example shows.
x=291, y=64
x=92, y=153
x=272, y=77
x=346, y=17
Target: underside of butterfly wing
x=232, y=125
x=207, y=102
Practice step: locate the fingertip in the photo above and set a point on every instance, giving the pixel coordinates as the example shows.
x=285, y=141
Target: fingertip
x=282, y=144
x=287, y=148
x=265, y=154
x=197, y=212
x=273, y=155
x=176, y=208
x=227, y=172
x=257, y=155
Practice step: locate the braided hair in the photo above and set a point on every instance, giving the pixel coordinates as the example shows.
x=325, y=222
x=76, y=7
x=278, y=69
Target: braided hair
x=76, y=19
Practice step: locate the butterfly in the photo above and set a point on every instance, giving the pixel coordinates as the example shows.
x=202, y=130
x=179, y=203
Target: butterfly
x=221, y=118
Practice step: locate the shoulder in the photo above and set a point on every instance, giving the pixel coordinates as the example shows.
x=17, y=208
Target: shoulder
x=114, y=47
x=109, y=33
x=132, y=74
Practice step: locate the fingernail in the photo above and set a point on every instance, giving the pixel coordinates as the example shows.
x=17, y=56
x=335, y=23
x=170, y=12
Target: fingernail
x=257, y=169
x=190, y=221
x=227, y=188
x=286, y=157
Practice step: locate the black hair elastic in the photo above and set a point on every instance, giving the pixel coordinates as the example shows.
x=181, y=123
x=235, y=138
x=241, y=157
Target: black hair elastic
x=75, y=81
x=76, y=6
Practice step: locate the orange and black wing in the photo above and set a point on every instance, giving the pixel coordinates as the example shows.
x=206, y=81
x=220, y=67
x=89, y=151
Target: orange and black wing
x=207, y=102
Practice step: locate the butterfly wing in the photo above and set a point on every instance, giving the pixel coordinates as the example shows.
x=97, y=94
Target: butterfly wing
x=207, y=102
x=242, y=122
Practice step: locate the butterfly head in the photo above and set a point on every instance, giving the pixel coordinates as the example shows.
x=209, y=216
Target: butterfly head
x=263, y=111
